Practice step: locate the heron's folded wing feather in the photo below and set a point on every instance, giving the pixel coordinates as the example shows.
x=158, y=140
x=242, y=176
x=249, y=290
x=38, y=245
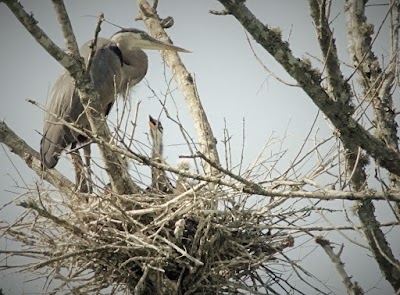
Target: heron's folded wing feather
x=64, y=103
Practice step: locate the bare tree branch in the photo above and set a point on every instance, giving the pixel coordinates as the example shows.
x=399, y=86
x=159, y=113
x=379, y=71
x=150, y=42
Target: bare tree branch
x=69, y=36
x=338, y=89
x=30, y=23
x=32, y=159
x=359, y=33
x=376, y=81
x=352, y=289
x=249, y=187
x=219, y=12
x=93, y=43
x=309, y=79
x=187, y=86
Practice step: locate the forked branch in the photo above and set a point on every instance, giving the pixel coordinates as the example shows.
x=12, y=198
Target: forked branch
x=187, y=86
x=32, y=160
x=348, y=129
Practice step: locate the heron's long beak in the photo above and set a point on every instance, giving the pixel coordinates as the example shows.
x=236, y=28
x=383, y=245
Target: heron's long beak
x=152, y=122
x=148, y=42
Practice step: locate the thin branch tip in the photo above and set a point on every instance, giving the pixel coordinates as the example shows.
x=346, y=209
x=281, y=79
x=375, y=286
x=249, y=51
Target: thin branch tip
x=219, y=12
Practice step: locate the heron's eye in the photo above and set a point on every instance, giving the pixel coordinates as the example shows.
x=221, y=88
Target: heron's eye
x=143, y=35
x=159, y=126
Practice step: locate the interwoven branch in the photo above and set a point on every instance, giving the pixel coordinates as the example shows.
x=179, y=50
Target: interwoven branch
x=348, y=129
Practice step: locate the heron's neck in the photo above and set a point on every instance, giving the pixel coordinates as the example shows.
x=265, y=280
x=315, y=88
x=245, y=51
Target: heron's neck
x=134, y=68
x=159, y=178
x=157, y=151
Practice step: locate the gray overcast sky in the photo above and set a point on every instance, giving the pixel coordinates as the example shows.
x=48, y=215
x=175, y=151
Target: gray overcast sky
x=231, y=84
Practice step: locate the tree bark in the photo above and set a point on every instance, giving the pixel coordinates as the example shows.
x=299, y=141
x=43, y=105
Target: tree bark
x=309, y=79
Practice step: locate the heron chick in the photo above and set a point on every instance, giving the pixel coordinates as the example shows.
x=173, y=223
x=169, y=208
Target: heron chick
x=159, y=179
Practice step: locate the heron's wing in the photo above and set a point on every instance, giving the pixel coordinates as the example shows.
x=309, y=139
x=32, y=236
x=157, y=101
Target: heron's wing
x=106, y=72
x=56, y=136
x=64, y=103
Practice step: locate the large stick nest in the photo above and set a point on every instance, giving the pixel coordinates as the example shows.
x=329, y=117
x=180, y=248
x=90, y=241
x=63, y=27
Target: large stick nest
x=152, y=244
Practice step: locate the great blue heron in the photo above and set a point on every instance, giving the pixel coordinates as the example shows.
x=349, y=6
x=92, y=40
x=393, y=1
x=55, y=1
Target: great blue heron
x=159, y=179
x=118, y=64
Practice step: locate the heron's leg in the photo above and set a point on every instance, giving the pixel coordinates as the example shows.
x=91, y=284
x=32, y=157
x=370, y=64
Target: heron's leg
x=86, y=154
x=77, y=162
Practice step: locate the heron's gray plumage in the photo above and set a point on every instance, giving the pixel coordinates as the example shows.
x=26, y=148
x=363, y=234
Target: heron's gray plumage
x=65, y=104
x=160, y=181
x=117, y=65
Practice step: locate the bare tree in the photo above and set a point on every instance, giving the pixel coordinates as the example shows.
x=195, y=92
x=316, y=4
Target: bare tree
x=224, y=231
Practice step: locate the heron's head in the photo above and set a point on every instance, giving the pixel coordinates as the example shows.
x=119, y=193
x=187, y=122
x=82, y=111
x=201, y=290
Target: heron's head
x=137, y=39
x=156, y=133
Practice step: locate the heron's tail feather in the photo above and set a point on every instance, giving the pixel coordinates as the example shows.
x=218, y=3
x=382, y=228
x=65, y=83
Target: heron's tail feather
x=54, y=141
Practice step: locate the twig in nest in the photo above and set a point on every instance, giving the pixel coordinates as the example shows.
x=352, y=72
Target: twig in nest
x=225, y=171
x=30, y=204
x=140, y=285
